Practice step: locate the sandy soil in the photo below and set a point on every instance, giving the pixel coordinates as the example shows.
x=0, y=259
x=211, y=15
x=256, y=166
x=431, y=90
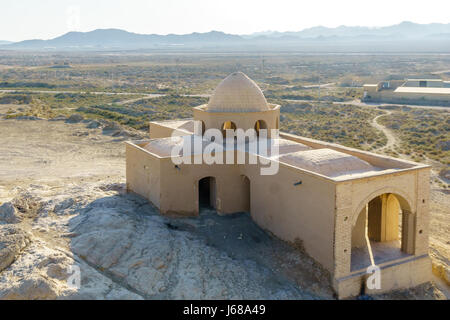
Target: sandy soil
x=51, y=151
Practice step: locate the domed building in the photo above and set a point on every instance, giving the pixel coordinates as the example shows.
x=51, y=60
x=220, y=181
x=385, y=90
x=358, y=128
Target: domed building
x=237, y=93
x=350, y=209
x=238, y=102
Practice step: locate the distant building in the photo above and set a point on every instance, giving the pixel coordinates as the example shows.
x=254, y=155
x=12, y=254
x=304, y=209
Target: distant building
x=349, y=209
x=411, y=91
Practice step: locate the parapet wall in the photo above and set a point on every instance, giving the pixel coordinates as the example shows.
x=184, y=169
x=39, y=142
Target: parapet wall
x=398, y=275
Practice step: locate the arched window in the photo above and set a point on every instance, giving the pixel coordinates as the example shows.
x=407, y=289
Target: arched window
x=228, y=125
x=260, y=124
x=203, y=128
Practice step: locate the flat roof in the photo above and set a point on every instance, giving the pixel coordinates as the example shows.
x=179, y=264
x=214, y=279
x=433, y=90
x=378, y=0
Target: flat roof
x=425, y=90
x=437, y=80
x=181, y=124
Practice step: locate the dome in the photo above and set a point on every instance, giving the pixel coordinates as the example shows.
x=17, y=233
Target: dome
x=327, y=162
x=237, y=93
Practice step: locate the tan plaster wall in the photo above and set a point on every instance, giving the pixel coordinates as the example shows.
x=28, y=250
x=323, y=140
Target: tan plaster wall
x=422, y=212
x=143, y=173
x=400, y=275
x=179, y=188
x=359, y=230
x=403, y=275
x=293, y=213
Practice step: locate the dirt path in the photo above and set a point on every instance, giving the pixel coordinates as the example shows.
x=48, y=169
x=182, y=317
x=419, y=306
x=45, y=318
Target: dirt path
x=391, y=138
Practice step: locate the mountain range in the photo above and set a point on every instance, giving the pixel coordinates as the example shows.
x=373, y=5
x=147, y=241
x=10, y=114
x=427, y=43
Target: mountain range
x=406, y=35
x=403, y=30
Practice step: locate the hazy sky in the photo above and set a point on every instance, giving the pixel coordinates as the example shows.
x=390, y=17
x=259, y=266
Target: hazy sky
x=44, y=19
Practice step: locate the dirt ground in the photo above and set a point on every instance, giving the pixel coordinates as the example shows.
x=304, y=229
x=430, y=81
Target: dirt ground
x=51, y=151
x=75, y=169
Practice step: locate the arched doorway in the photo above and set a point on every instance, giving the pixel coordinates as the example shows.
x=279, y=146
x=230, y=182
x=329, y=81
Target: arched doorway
x=381, y=232
x=260, y=124
x=207, y=193
x=228, y=125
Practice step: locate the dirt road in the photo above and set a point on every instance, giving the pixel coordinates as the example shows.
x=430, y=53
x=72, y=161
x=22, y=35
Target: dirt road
x=391, y=138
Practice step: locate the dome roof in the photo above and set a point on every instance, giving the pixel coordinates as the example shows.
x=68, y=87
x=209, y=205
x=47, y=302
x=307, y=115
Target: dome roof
x=237, y=93
x=327, y=162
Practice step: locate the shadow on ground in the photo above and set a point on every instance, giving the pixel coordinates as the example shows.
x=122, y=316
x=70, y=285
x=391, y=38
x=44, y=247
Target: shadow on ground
x=207, y=257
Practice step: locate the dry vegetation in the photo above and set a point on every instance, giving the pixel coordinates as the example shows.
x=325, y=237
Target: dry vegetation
x=423, y=133
x=199, y=73
x=343, y=124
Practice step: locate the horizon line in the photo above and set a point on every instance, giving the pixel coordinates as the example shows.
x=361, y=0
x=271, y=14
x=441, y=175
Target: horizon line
x=235, y=34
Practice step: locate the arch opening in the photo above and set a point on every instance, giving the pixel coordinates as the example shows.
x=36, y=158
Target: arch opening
x=228, y=125
x=260, y=124
x=382, y=232
x=207, y=193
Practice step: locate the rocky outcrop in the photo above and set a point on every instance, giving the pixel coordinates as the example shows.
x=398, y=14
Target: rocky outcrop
x=9, y=214
x=31, y=269
x=93, y=124
x=20, y=207
x=126, y=250
x=161, y=258
x=12, y=241
x=75, y=118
